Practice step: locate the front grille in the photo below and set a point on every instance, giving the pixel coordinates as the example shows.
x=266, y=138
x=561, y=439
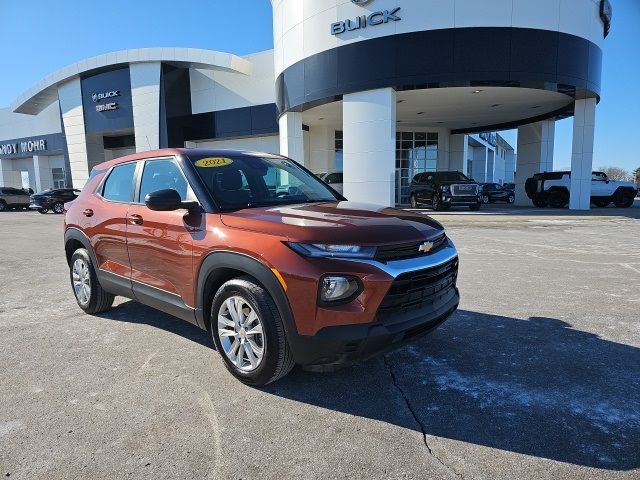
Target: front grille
x=463, y=190
x=419, y=289
x=388, y=253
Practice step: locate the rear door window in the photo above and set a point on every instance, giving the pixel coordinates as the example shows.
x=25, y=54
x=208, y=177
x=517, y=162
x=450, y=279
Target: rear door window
x=119, y=185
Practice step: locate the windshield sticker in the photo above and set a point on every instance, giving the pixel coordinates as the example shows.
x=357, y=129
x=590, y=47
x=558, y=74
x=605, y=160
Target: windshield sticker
x=213, y=162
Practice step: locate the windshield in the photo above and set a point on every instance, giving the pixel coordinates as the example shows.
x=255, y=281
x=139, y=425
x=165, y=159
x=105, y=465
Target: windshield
x=452, y=177
x=242, y=181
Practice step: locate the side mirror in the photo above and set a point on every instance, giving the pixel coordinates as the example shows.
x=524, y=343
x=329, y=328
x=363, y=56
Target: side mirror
x=163, y=200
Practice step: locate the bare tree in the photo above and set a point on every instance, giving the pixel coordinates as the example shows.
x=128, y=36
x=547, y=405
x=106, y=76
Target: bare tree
x=616, y=173
x=636, y=174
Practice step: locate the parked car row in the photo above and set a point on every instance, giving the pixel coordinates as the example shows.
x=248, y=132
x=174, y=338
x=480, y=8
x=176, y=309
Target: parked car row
x=50, y=200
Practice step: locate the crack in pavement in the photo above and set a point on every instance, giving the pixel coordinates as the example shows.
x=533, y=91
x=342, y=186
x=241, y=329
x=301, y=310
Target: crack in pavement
x=413, y=413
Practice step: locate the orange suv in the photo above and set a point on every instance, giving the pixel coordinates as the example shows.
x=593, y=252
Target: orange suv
x=278, y=266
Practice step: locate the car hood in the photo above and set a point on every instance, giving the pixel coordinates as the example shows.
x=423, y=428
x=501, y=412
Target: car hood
x=336, y=222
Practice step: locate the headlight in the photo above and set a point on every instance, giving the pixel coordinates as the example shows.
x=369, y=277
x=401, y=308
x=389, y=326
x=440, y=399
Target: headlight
x=321, y=250
x=446, y=188
x=336, y=289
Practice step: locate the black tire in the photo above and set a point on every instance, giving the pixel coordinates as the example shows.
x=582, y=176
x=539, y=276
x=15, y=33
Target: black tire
x=413, y=201
x=99, y=301
x=511, y=199
x=558, y=198
x=58, y=208
x=277, y=359
x=475, y=208
x=485, y=198
x=43, y=210
x=3, y=206
x=601, y=203
x=436, y=203
x=539, y=202
x=623, y=199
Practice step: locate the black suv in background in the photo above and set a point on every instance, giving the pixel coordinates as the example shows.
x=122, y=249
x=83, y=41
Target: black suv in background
x=53, y=199
x=443, y=190
x=492, y=192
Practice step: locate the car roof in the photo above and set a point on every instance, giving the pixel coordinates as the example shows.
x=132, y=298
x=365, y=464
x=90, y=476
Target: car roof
x=167, y=152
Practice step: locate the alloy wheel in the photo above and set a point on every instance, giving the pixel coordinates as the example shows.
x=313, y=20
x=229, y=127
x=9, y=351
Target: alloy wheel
x=241, y=334
x=81, y=281
x=58, y=207
x=485, y=198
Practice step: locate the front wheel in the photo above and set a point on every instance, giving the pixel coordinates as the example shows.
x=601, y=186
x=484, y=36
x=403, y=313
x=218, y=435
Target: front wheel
x=623, y=199
x=511, y=199
x=436, y=204
x=485, y=199
x=3, y=206
x=87, y=289
x=414, y=201
x=249, y=333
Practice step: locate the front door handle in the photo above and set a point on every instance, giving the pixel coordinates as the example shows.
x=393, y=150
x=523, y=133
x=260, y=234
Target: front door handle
x=135, y=219
x=87, y=212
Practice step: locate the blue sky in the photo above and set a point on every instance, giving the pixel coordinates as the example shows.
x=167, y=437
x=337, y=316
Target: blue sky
x=39, y=36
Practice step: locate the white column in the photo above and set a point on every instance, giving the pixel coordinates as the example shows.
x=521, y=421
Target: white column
x=322, y=140
x=479, y=165
x=491, y=166
x=369, y=125
x=458, y=154
x=535, y=154
x=291, y=138
x=42, y=171
x=145, y=98
x=584, y=125
x=70, y=98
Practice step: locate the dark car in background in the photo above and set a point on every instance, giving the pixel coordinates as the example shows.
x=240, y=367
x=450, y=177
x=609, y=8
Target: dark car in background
x=443, y=190
x=13, y=198
x=492, y=193
x=53, y=199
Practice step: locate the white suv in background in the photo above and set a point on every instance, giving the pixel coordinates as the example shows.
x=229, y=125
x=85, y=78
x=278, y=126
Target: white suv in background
x=333, y=179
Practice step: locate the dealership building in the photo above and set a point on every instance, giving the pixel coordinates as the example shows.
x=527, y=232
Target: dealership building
x=379, y=89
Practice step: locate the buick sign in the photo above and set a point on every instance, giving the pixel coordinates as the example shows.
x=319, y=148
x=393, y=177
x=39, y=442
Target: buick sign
x=96, y=97
x=375, y=18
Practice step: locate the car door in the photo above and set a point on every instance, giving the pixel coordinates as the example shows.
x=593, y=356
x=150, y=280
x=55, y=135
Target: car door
x=160, y=244
x=599, y=185
x=425, y=190
x=105, y=216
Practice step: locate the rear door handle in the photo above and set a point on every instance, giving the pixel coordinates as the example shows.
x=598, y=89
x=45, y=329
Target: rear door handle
x=135, y=219
x=87, y=212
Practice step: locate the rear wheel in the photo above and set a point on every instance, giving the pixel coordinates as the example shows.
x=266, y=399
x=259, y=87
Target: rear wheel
x=623, y=199
x=249, y=333
x=58, y=207
x=3, y=206
x=43, y=210
x=511, y=199
x=414, y=201
x=539, y=202
x=485, y=198
x=558, y=199
x=87, y=289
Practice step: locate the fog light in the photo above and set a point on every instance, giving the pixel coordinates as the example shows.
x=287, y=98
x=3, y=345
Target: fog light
x=335, y=288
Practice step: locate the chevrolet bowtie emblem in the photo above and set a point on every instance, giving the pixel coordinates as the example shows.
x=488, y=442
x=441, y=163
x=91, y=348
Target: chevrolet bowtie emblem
x=425, y=247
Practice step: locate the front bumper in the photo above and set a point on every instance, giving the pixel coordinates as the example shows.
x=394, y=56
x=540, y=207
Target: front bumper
x=335, y=347
x=459, y=201
x=421, y=295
